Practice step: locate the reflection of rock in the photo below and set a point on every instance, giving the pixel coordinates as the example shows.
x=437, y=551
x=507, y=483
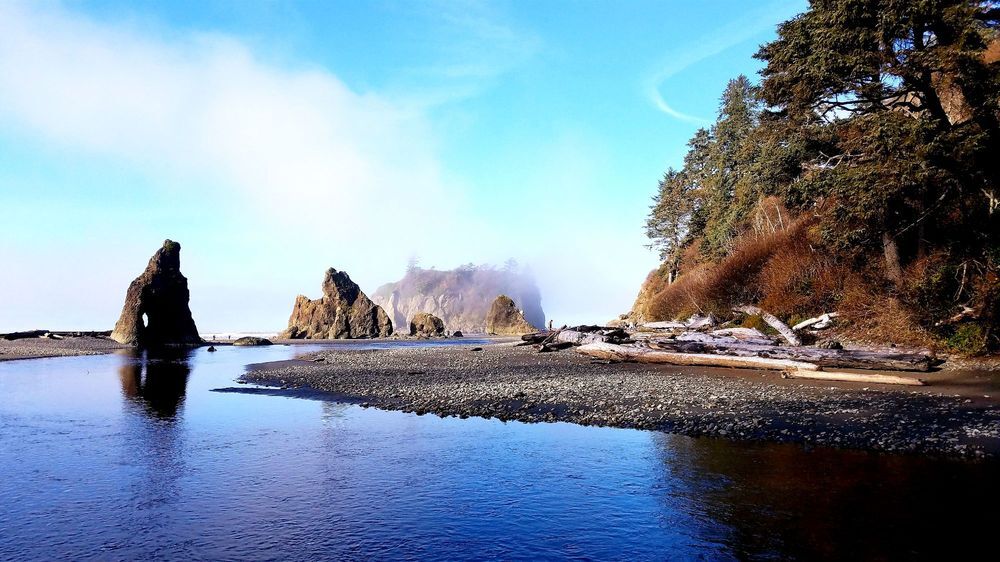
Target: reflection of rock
x=505, y=319
x=426, y=325
x=157, y=380
x=156, y=305
x=343, y=312
x=252, y=341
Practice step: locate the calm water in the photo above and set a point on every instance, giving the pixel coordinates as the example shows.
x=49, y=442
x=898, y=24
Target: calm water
x=122, y=458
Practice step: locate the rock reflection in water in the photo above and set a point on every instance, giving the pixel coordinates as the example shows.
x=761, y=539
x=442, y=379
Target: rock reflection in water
x=157, y=380
x=785, y=502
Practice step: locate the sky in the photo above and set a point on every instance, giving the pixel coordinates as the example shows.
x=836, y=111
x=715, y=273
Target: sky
x=275, y=139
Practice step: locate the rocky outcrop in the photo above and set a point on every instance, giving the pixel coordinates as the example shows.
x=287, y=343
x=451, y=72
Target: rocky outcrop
x=343, y=312
x=426, y=325
x=505, y=319
x=252, y=341
x=460, y=297
x=156, y=305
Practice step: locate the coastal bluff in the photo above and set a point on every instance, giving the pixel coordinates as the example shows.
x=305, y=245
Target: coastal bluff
x=156, y=308
x=343, y=312
x=460, y=297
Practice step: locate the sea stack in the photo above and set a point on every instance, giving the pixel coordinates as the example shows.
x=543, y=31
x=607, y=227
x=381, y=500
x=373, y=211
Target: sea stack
x=426, y=325
x=156, y=308
x=343, y=312
x=505, y=319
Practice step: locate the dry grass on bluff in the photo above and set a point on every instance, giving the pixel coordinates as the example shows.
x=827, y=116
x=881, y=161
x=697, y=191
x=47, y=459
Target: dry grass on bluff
x=786, y=271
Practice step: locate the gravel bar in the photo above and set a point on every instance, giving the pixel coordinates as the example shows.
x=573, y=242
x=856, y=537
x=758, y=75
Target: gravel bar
x=34, y=348
x=517, y=383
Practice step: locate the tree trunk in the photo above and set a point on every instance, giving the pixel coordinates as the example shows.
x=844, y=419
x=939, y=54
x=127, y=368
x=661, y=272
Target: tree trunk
x=891, y=250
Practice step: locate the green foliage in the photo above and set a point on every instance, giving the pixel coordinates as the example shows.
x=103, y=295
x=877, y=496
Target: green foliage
x=969, y=338
x=716, y=189
x=757, y=323
x=882, y=118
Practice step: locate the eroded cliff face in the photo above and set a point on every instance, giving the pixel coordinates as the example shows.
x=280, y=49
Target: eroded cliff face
x=156, y=308
x=461, y=297
x=343, y=312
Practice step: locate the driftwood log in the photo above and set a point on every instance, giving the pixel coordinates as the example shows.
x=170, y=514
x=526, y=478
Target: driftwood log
x=798, y=369
x=773, y=322
x=871, y=359
x=569, y=337
x=820, y=322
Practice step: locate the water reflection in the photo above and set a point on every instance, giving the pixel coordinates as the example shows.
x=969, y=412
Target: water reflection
x=156, y=380
x=786, y=502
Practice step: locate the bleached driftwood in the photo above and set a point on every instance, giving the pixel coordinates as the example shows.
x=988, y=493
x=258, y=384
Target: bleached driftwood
x=668, y=325
x=741, y=333
x=854, y=377
x=773, y=322
x=579, y=335
x=649, y=355
x=820, y=322
x=872, y=359
x=798, y=369
x=579, y=338
x=698, y=322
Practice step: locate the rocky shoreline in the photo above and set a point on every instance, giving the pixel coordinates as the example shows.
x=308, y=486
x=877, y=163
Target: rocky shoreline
x=516, y=383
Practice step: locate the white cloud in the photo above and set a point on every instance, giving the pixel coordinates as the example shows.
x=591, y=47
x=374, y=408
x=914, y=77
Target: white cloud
x=305, y=165
x=748, y=26
x=204, y=105
x=301, y=173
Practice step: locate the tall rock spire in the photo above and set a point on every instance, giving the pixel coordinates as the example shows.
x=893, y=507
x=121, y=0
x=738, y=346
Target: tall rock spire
x=156, y=308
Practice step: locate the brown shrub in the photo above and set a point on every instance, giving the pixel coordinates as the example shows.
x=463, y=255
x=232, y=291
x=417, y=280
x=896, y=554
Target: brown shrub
x=874, y=316
x=655, y=282
x=736, y=279
x=781, y=265
x=800, y=280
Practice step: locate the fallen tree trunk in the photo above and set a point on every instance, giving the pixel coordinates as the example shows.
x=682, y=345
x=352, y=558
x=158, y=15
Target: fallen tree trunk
x=579, y=338
x=832, y=358
x=799, y=369
x=667, y=325
x=855, y=377
x=648, y=355
x=773, y=322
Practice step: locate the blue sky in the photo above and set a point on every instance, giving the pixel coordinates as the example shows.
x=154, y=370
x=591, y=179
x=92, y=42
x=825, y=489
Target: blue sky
x=276, y=139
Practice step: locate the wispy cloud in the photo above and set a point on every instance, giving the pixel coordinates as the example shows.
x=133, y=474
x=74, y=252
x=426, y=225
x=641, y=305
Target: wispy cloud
x=750, y=25
x=473, y=45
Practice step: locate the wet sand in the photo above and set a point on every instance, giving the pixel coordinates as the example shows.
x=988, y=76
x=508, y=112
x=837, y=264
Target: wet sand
x=948, y=418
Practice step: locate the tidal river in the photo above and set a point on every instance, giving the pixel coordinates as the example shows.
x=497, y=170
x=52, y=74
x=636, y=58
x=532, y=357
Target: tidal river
x=135, y=457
